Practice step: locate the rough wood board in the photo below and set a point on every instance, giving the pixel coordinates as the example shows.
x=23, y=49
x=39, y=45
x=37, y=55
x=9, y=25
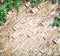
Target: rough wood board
x=28, y=34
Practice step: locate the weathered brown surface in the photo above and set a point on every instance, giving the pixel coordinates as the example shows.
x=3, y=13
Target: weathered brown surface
x=29, y=34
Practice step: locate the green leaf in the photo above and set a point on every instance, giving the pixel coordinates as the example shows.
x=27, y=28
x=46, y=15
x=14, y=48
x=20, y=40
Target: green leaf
x=36, y=2
x=3, y=15
x=56, y=22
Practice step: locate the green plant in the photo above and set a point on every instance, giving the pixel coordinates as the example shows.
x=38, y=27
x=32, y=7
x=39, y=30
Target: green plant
x=17, y=3
x=10, y=4
x=36, y=2
x=56, y=22
x=59, y=2
x=3, y=15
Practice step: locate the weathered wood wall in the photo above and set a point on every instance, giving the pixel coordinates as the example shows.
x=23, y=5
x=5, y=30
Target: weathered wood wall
x=29, y=34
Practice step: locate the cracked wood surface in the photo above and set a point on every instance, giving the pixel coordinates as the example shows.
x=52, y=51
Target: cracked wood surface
x=29, y=34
